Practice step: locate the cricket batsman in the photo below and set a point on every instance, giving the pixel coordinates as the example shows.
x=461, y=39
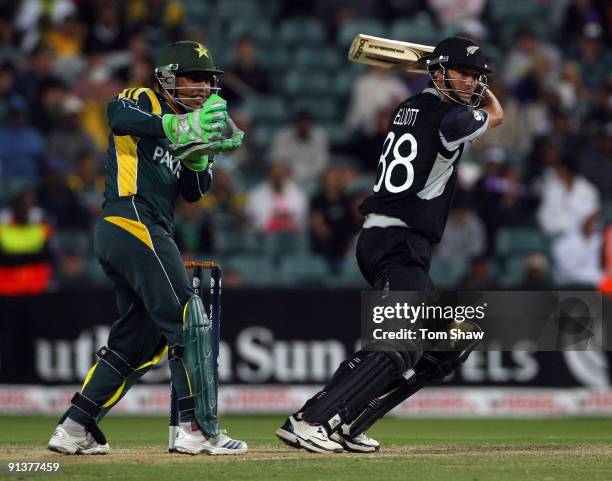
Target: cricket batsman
x=404, y=217
x=161, y=145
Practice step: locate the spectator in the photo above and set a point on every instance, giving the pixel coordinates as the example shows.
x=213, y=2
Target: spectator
x=37, y=73
x=373, y=91
x=95, y=90
x=302, y=145
x=107, y=32
x=568, y=199
x=277, y=204
x=21, y=146
x=579, y=14
x=61, y=204
x=596, y=158
x=7, y=89
x=88, y=183
x=129, y=64
x=331, y=220
x=192, y=230
x=448, y=12
x=536, y=273
x=501, y=199
x=521, y=124
x=465, y=234
x=249, y=158
x=25, y=266
x=525, y=51
x=225, y=203
x=53, y=93
x=369, y=149
x=594, y=58
x=577, y=255
x=35, y=17
x=8, y=49
x=246, y=77
x=71, y=270
x=161, y=19
x=68, y=140
x=479, y=276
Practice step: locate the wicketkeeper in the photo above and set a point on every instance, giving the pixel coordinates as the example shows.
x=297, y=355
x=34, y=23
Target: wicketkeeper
x=160, y=146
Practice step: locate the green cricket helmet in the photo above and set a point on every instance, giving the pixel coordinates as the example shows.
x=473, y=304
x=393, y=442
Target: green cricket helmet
x=183, y=58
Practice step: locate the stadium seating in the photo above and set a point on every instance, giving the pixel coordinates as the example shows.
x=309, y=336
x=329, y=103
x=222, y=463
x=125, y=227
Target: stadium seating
x=309, y=58
x=307, y=83
x=304, y=270
x=348, y=30
x=420, y=30
x=231, y=9
x=350, y=275
x=513, y=272
x=267, y=109
x=262, y=32
x=448, y=273
x=254, y=270
x=512, y=241
x=301, y=32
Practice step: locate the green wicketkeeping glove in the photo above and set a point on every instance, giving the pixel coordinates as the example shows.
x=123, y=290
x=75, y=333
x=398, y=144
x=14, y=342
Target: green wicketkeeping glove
x=192, y=155
x=196, y=162
x=235, y=140
x=205, y=124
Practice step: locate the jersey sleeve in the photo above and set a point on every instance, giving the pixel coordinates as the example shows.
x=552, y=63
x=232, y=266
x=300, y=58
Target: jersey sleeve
x=136, y=112
x=460, y=125
x=195, y=184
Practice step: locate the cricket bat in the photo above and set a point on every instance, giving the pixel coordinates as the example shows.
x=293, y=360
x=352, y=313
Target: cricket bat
x=387, y=53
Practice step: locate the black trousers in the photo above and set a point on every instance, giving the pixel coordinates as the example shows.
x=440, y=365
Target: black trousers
x=395, y=258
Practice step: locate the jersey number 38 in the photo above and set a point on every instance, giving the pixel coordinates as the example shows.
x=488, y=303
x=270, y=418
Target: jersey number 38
x=398, y=161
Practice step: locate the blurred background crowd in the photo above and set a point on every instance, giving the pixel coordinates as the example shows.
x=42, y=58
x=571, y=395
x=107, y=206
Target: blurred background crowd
x=534, y=197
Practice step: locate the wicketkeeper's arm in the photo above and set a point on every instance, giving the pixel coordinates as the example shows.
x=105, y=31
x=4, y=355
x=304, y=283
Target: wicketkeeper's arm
x=127, y=117
x=194, y=184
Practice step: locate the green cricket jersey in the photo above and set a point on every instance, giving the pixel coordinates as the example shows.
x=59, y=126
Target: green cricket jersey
x=140, y=168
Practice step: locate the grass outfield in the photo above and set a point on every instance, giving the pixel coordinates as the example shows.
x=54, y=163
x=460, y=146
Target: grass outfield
x=415, y=449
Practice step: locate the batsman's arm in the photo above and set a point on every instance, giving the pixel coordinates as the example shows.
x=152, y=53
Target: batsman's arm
x=493, y=108
x=194, y=184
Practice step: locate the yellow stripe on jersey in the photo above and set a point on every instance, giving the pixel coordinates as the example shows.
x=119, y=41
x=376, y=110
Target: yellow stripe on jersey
x=137, y=229
x=127, y=164
x=124, y=94
x=155, y=105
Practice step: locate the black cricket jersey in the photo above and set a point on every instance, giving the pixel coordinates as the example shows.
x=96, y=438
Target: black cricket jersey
x=417, y=170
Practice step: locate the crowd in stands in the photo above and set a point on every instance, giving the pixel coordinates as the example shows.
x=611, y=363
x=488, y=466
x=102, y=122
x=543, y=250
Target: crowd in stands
x=535, y=195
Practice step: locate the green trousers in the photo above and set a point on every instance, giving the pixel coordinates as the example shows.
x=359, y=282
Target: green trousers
x=151, y=288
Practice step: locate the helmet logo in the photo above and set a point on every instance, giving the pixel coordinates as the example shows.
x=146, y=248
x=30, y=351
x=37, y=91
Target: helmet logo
x=202, y=51
x=471, y=50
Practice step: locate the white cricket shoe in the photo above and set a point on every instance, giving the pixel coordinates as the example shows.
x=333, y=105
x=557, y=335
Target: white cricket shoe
x=361, y=443
x=311, y=437
x=194, y=442
x=67, y=443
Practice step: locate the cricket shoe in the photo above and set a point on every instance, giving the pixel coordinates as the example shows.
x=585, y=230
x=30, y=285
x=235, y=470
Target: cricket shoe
x=300, y=434
x=194, y=442
x=356, y=444
x=65, y=442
